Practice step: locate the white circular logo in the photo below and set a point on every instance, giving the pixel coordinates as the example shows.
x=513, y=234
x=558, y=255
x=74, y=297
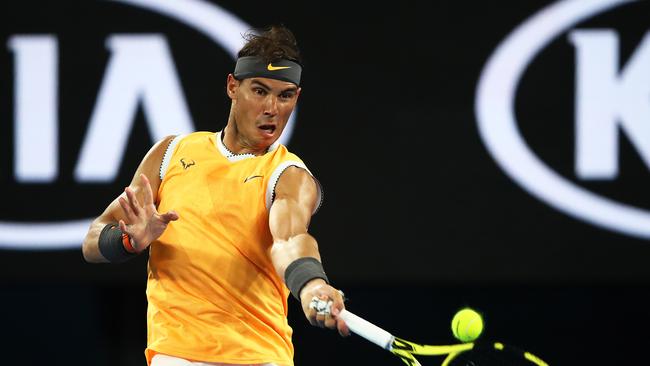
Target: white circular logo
x=217, y=24
x=495, y=96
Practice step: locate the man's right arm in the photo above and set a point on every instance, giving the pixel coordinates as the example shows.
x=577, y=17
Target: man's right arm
x=114, y=213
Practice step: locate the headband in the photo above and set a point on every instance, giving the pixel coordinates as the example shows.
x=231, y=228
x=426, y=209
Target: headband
x=253, y=66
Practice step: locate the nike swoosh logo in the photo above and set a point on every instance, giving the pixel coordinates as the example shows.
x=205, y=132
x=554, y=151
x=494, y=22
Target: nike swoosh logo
x=270, y=67
x=251, y=177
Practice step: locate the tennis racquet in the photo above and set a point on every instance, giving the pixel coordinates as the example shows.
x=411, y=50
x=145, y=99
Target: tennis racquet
x=479, y=354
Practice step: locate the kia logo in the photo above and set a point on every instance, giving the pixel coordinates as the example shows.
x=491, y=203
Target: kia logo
x=140, y=72
x=611, y=99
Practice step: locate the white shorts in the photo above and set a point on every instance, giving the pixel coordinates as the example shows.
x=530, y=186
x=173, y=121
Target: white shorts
x=165, y=360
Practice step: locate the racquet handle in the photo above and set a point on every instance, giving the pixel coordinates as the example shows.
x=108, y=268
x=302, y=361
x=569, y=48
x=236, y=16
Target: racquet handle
x=367, y=330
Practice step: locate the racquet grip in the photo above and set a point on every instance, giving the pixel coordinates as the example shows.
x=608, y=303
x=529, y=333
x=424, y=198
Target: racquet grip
x=367, y=330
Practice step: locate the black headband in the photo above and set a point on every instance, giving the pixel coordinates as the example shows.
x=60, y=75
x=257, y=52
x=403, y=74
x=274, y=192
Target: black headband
x=253, y=66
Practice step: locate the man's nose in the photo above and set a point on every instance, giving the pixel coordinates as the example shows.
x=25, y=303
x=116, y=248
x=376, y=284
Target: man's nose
x=271, y=105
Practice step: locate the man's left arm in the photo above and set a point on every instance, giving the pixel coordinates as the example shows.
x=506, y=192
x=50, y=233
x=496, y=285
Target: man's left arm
x=295, y=252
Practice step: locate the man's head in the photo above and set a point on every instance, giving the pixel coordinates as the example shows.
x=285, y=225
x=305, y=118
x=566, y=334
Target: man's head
x=273, y=53
x=264, y=88
x=272, y=44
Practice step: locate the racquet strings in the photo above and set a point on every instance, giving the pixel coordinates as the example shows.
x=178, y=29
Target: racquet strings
x=496, y=353
x=475, y=354
x=405, y=350
x=428, y=350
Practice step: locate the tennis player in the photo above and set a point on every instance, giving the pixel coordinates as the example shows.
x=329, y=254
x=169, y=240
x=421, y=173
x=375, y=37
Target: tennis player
x=225, y=219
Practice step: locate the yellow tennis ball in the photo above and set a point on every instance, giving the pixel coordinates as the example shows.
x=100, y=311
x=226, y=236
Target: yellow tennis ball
x=467, y=325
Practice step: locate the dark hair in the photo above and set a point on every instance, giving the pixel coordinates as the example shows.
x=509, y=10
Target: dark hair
x=272, y=44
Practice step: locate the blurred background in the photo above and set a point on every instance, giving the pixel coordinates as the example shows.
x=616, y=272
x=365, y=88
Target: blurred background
x=491, y=154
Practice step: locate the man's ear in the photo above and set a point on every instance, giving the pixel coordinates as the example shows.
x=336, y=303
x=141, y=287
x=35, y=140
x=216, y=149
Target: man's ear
x=231, y=86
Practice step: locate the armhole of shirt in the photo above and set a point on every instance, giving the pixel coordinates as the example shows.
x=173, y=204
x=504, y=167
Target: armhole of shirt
x=275, y=176
x=164, y=165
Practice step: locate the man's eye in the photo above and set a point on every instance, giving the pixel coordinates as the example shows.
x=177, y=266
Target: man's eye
x=259, y=91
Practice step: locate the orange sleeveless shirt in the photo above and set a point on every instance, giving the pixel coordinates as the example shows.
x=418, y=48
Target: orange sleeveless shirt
x=213, y=294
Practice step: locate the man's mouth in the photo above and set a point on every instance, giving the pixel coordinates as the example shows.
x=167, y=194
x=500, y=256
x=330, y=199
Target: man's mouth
x=269, y=129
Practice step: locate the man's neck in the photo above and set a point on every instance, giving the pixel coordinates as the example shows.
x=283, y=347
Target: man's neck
x=232, y=144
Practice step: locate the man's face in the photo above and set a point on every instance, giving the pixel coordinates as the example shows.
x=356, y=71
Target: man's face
x=261, y=108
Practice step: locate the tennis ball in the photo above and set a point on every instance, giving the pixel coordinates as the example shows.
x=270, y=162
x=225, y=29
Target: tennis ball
x=467, y=325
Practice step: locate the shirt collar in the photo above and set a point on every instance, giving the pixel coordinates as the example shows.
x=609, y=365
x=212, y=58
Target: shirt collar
x=231, y=156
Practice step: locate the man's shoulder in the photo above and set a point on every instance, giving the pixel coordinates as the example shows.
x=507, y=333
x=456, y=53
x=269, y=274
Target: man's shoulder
x=196, y=136
x=282, y=153
x=199, y=134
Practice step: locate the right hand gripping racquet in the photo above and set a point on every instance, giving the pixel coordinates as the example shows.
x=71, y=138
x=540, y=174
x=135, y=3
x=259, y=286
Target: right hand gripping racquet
x=406, y=350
